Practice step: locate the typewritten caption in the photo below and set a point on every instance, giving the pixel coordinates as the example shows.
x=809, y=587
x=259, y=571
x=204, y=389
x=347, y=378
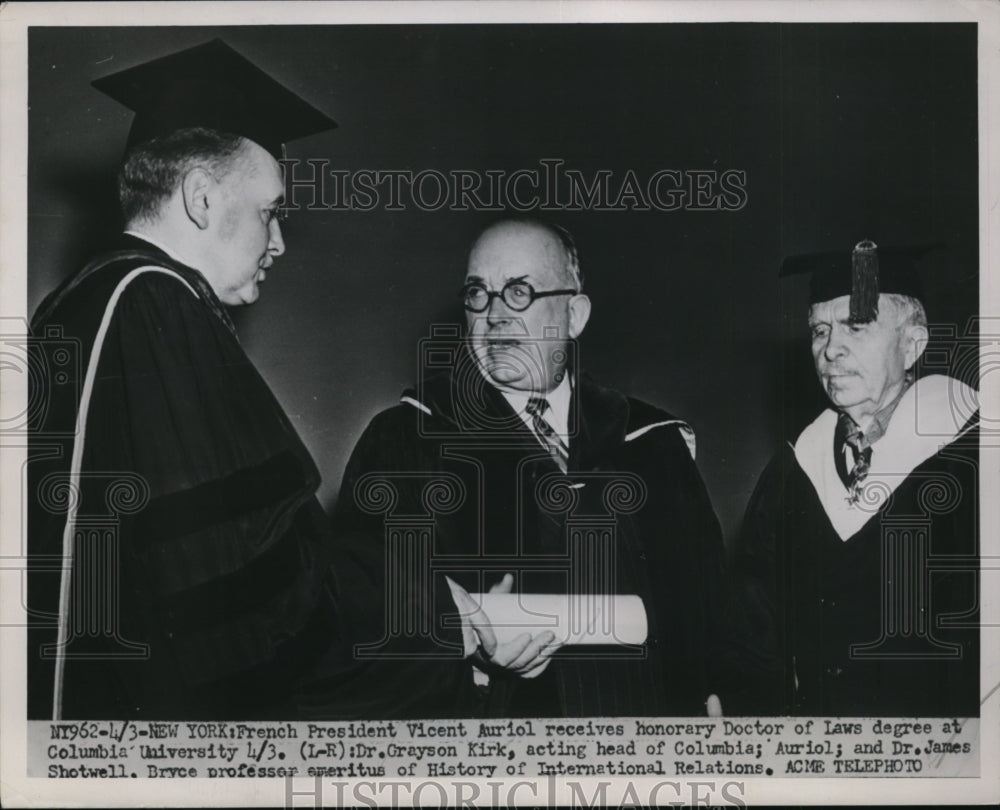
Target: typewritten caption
x=492, y=749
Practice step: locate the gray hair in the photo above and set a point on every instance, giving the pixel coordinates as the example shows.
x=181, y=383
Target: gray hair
x=909, y=310
x=572, y=254
x=151, y=171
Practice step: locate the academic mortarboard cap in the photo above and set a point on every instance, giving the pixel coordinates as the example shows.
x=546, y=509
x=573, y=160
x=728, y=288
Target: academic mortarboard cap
x=862, y=273
x=212, y=86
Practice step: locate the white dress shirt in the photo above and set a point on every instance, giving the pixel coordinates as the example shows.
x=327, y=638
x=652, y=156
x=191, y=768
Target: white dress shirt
x=557, y=414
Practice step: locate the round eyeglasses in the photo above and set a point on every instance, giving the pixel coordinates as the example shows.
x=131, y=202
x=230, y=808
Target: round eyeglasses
x=517, y=295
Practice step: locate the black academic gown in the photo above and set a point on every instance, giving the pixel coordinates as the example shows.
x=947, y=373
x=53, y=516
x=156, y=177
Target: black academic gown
x=882, y=623
x=464, y=487
x=198, y=585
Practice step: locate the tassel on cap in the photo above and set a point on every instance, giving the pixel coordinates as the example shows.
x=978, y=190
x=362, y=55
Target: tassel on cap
x=864, y=282
x=843, y=272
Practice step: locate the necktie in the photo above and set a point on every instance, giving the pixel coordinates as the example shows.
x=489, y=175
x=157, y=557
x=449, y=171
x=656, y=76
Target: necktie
x=553, y=443
x=861, y=452
x=848, y=434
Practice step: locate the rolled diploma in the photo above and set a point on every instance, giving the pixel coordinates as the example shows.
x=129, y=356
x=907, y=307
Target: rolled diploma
x=588, y=618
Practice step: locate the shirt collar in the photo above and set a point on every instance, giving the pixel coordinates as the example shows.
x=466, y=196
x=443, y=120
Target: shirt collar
x=557, y=414
x=879, y=424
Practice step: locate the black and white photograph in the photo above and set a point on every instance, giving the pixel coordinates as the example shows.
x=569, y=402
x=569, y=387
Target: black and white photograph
x=562, y=403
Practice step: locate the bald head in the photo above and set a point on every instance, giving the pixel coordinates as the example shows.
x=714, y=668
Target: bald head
x=524, y=347
x=515, y=236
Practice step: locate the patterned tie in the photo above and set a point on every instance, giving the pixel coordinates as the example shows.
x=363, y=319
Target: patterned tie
x=553, y=443
x=848, y=434
x=861, y=451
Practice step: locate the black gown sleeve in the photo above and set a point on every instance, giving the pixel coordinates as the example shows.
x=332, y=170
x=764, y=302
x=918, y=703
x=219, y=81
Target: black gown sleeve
x=760, y=684
x=222, y=549
x=689, y=589
x=407, y=660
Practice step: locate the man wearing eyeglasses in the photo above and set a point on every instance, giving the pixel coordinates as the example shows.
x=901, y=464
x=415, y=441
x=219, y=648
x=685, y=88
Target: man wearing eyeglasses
x=557, y=485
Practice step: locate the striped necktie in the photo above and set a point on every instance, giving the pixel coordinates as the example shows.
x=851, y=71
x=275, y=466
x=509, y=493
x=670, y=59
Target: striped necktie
x=849, y=439
x=848, y=436
x=553, y=443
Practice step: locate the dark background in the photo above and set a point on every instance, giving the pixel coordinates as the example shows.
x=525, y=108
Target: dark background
x=845, y=131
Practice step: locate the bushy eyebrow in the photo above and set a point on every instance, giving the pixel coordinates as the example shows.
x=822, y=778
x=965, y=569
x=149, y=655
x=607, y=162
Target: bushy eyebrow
x=845, y=321
x=481, y=280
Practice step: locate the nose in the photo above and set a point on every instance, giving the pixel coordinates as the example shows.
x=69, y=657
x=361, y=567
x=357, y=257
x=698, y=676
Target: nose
x=835, y=347
x=498, y=312
x=275, y=242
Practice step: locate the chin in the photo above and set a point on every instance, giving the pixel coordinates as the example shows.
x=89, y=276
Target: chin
x=518, y=364
x=844, y=399
x=250, y=296
x=510, y=381
x=505, y=374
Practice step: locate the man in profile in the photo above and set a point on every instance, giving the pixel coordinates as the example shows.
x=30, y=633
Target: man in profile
x=520, y=474
x=858, y=560
x=178, y=552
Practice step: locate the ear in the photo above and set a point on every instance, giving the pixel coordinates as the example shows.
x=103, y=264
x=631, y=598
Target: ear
x=195, y=187
x=914, y=342
x=579, y=314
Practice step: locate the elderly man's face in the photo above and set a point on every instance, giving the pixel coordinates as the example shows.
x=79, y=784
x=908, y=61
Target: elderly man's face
x=861, y=366
x=247, y=236
x=523, y=350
